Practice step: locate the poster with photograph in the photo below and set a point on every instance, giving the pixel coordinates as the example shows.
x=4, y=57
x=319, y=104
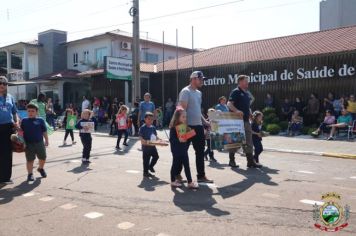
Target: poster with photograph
x=227, y=130
x=88, y=127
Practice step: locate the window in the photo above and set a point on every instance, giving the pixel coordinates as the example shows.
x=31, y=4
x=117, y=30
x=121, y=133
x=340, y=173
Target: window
x=86, y=56
x=151, y=57
x=75, y=59
x=100, y=53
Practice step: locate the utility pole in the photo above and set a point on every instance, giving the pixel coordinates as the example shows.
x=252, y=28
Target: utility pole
x=136, y=81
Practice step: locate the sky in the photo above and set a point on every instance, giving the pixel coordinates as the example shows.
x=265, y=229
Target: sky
x=232, y=22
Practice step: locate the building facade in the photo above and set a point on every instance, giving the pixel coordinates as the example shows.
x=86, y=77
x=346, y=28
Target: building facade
x=337, y=13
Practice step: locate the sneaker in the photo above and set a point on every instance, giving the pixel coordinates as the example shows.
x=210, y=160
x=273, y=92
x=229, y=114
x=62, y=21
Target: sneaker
x=74, y=142
x=193, y=185
x=64, y=143
x=42, y=172
x=330, y=138
x=205, y=180
x=125, y=144
x=176, y=184
x=233, y=164
x=152, y=170
x=148, y=175
x=118, y=148
x=30, y=177
x=212, y=159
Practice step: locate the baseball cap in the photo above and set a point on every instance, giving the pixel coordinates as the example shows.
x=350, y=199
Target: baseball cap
x=197, y=74
x=3, y=79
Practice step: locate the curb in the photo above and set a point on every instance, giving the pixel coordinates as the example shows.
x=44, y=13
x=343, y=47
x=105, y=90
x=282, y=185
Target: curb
x=325, y=154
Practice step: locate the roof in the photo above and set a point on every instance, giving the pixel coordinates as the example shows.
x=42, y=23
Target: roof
x=58, y=75
x=33, y=43
x=127, y=35
x=314, y=43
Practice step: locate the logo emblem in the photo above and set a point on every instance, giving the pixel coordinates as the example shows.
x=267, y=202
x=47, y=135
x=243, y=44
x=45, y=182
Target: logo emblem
x=331, y=216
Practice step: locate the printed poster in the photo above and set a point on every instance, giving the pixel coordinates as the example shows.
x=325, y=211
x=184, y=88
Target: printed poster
x=88, y=127
x=71, y=121
x=227, y=130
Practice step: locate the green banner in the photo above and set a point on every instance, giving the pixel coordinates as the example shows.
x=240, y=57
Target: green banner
x=71, y=121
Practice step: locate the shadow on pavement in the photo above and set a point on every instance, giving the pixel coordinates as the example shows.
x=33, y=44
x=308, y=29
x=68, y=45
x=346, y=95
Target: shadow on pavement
x=217, y=165
x=80, y=169
x=8, y=194
x=252, y=176
x=200, y=200
x=151, y=184
x=126, y=149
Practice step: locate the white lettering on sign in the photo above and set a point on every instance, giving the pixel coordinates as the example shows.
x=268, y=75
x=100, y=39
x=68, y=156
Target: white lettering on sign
x=300, y=74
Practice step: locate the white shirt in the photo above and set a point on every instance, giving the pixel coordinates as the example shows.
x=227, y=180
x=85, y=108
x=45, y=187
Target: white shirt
x=85, y=104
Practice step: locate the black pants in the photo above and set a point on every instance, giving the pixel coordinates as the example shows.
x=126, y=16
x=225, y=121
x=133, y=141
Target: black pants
x=69, y=131
x=198, y=144
x=86, y=141
x=208, y=150
x=323, y=127
x=113, y=127
x=178, y=162
x=6, y=152
x=148, y=162
x=134, y=122
x=120, y=132
x=258, y=149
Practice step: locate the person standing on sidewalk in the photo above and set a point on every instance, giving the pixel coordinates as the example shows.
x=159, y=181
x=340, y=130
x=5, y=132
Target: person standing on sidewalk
x=145, y=106
x=8, y=121
x=190, y=98
x=239, y=102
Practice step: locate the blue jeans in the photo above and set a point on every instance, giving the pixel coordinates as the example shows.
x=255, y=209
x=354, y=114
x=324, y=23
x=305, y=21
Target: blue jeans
x=257, y=144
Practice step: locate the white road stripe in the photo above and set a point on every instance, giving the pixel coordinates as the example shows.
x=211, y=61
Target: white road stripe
x=46, y=199
x=311, y=202
x=305, y=172
x=68, y=206
x=339, y=178
x=353, y=177
x=75, y=161
x=125, y=225
x=30, y=194
x=93, y=215
x=133, y=171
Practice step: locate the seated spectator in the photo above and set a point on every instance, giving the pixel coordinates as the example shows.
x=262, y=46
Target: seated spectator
x=328, y=120
x=295, y=124
x=269, y=100
x=351, y=106
x=342, y=122
x=286, y=109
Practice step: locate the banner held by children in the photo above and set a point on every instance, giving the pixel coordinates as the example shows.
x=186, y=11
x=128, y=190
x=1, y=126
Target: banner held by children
x=227, y=130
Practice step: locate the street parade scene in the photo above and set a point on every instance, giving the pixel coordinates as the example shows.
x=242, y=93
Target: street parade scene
x=163, y=118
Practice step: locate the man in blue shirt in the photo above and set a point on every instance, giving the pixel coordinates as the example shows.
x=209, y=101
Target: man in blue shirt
x=239, y=102
x=8, y=120
x=145, y=106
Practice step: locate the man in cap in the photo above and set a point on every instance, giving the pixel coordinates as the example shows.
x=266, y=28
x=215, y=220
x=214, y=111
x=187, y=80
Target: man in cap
x=190, y=98
x=239, y=102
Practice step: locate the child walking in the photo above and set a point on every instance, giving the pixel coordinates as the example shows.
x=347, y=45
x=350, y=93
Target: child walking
x=68, y=128
x=148, y=133
x=207, y=129
x=84, y=133
x=179, y=149
x=34, y=130
x=257, y=120
x=121, y=120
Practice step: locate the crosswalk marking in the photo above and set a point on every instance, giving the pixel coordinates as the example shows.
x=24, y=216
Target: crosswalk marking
x=125, y=225
x=68, y=206
x=305, y=172
x=93, y=215
x=311, y=202
x=133, y=171
x=30, y=194
x=46, y=199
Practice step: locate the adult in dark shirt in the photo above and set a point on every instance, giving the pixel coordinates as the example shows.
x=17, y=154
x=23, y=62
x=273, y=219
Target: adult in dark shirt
x=269, y=100
x=299, y=106
x=286, y=109
x=239, y=102
x=328, y=102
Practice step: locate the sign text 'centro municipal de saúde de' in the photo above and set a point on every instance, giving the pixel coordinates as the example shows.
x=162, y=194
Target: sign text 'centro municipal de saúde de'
x=300, y=74
x=118, y=68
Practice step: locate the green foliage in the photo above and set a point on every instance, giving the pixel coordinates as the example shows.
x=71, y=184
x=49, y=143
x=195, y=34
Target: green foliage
x=283, y=125
x=273, y=129
x=268, y=110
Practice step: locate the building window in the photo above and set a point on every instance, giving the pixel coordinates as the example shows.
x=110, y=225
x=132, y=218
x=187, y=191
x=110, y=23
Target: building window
x=75, y=59
x=100, y=53
x=151, y=57
x=86, y=56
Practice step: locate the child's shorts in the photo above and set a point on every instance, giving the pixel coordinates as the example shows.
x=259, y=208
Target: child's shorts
x=35, y=149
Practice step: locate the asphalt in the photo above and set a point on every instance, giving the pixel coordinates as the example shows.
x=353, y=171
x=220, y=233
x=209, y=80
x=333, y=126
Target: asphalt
x=243, y=201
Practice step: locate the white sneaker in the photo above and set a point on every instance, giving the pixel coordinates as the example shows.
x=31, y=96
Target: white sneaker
x=64, y=143
x=74, y=142
x=176, y=184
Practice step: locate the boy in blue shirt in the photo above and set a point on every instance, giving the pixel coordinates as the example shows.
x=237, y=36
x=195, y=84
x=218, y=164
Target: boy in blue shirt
x=148, y=133
x=35, y=130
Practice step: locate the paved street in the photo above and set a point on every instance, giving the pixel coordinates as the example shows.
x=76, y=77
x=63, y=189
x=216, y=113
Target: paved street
x=110, y=197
